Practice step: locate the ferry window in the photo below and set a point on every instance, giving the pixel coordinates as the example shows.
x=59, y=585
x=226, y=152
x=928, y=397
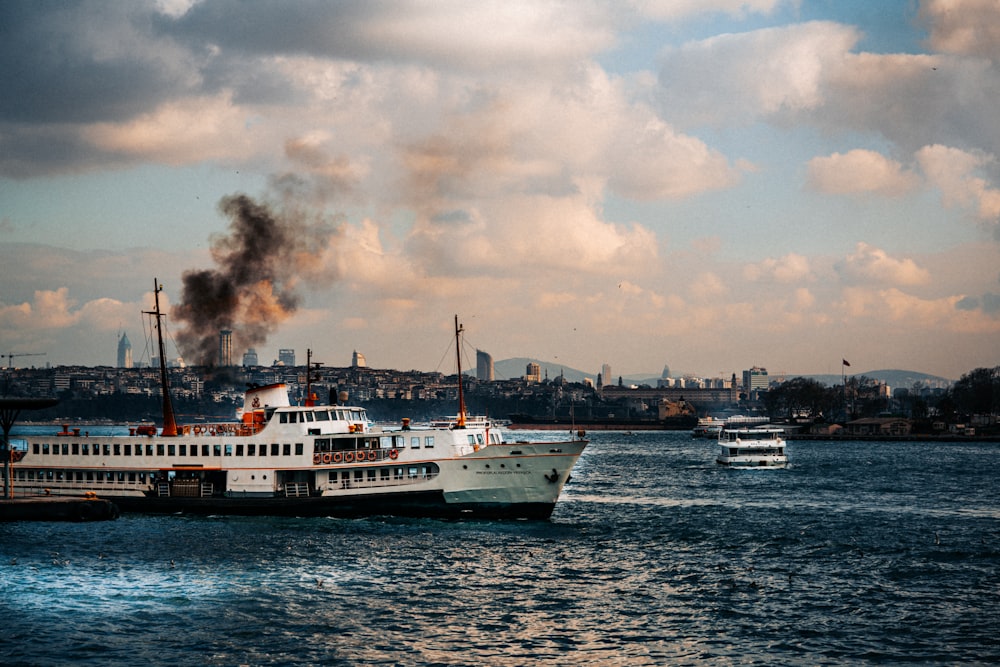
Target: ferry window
x=159, y=450
x=471, y=438
x=149, y=450
x=429, y=441
x=262, y=450
x=45, y=448
x=239, y=450
x=342, y=415
x=142, y=478
x=322, y=416
x=309, y=416
x=286, y=449
x=131, y=478
x=128, y=450
x=204, y=450
x=229, y=450
x=385, y=442
x=216, y=450
x=76, y=448
x=194, y=450
x=107, y=450
x=84, y=449
x=371, y=474
x=298, y=448
x=118, y=449
x=34, y=448
x=415, y=441
x=59, y=475
x=413, y=473
x=183, y=450
x=171, y=450
x=121, y=477
x=274, y=449
x=90, y=476
x=359, y=475
x=284, y=417
x=251, y=450
x=65, y=449
x=384, y=474
x=479, y=438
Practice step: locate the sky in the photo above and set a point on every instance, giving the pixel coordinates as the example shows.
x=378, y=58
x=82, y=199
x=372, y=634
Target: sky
x=705, y=184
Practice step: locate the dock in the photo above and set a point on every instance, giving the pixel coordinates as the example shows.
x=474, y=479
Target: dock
x=49, y=508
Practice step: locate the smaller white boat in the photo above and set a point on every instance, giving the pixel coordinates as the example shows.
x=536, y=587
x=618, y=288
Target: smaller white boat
x=752, y=447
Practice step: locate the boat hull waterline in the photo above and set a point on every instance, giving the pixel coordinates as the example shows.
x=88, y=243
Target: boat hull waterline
x=289, y=460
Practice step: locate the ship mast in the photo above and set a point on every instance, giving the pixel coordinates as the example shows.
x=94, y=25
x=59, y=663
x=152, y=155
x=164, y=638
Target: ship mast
x=169, y=425
x=458, y=355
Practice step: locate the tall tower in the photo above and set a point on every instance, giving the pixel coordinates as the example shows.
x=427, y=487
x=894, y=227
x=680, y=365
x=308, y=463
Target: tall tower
x=358, y=360
x=124, y=352
x=286, y=356
x=484, y=366
x=225, y=348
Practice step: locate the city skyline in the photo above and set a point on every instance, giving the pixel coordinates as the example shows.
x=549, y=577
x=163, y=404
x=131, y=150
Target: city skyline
x=715, y=185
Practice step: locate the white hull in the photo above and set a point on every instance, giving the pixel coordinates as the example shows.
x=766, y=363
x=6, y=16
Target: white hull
x=305, y=461
x=752, y=447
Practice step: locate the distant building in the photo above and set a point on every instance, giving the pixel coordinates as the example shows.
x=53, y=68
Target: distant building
x=124, y=352
x=533, y=372
x=358, y=360
x=484, y=366
x=286, y=357
x=250, y=357
x=605, y=374
x=225, y=348
x=755, y=380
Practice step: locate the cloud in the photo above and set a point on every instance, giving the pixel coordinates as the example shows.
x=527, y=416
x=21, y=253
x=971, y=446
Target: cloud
x=965, y=27
x=675, y=10
x=870, y=265
x=860, y=171
x=792, y=268
x=746, y=76
x=953, y=171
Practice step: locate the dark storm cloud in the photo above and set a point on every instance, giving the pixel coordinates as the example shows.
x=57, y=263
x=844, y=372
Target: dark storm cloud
x=81, y=62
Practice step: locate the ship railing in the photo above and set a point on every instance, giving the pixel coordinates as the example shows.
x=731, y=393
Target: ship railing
x=296, y=490
x=380, y=483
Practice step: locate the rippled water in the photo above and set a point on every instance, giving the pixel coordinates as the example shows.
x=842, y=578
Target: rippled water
x=857, y=553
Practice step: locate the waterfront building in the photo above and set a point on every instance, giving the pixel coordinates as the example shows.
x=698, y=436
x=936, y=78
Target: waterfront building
x=225, y=348
x=250, y=357
x=484, y=366
x=124, y=352
x=755, y=380
x=286, y=357
x=533, y=372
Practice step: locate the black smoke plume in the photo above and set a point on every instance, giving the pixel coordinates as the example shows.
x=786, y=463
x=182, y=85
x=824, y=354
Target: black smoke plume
x=253, y=289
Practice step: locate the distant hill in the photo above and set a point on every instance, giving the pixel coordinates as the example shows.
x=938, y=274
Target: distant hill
x=509, y=369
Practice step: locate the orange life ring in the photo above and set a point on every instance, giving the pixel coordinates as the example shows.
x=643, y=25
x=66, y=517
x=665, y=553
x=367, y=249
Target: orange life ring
x=327, y=457
x=197, y=429
x=348, y=457
x=372, y=455
x=317, y=457
x=393, y=454
x=338, y=457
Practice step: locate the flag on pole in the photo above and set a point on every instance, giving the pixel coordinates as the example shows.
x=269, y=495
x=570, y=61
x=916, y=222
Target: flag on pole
x=845, y=362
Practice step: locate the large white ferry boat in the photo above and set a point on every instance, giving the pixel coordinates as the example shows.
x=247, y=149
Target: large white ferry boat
x=308, y=460
x=761, y=446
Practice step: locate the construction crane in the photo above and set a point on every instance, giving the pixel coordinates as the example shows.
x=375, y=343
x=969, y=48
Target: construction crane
x=10, y=356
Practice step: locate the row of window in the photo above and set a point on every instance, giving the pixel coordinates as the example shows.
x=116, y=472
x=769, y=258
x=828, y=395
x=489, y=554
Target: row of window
x=106, y=476
x=161, y=449
x=336, y=414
